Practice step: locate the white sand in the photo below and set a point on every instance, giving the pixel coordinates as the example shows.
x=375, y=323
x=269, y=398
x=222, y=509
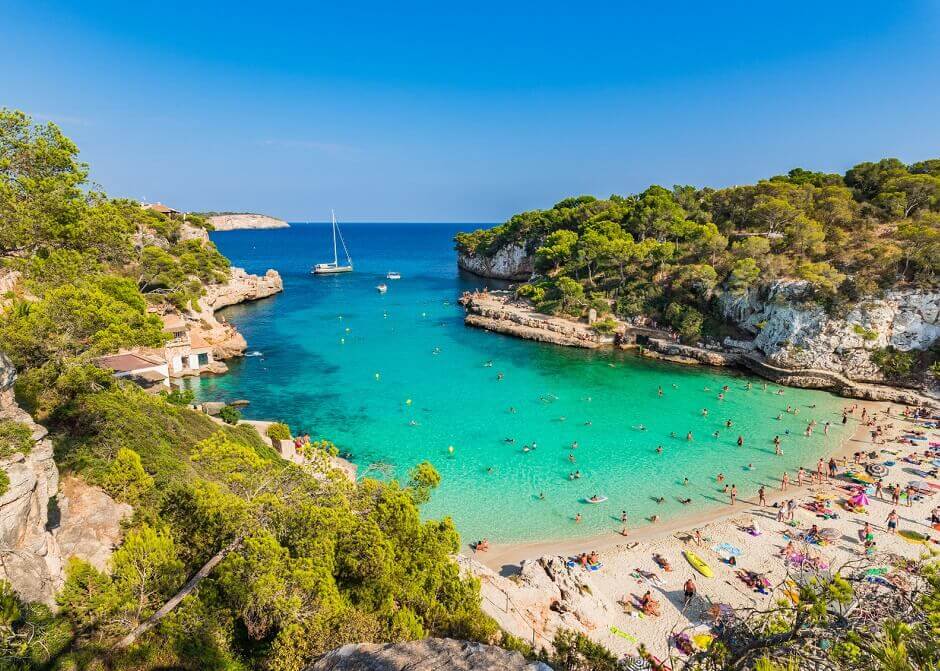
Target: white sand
x=591, y=598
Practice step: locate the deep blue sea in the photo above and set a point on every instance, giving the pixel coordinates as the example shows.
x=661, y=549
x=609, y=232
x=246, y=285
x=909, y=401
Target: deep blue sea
x=397, y=378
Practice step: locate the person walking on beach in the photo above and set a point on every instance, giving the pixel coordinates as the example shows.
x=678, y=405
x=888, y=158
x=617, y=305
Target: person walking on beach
x=734, y=493
x=910, y=491
x=761, y=498
x=799, y=477
x=878, y=487
x=821, y=469
x=784, y=481
x=833, y=468
x=896, y=494
x=893, y=522
x=689, y=590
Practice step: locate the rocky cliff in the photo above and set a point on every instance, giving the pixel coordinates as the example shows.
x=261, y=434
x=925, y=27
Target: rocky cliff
x=429, y=654
x=29, y=555
x=511, y=262
x=85, y=522
x=793, y=332
x=225, y=340
x=231, y=222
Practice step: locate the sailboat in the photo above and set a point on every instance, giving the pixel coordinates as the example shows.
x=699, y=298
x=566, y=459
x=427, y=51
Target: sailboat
x=334, y=267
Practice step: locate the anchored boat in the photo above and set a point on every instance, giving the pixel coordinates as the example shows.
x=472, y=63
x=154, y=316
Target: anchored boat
x=334, y=267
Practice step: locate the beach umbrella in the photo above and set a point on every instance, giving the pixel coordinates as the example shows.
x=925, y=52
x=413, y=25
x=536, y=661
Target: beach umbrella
x=635, y=664
x=859, y=499
x=829, y=533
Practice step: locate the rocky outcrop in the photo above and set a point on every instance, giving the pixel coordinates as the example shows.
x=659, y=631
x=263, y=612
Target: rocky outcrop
x=225, y=340
x=90, y=526
x=511, y=262
x=429, y=654
x=29, y=554
x=793, y=332
x=231, y=222
x=190, y=232
x=497, y=313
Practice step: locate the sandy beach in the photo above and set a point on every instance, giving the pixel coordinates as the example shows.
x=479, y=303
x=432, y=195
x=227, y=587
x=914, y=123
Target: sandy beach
x=533, y=591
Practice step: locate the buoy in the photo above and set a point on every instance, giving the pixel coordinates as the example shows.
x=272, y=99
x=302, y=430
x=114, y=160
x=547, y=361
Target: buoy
x=342, y=341
x=450, y=448
x=408, y=402
x=348, y=329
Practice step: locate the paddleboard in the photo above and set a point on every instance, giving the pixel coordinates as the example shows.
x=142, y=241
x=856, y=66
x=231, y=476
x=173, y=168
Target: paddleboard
x=697, y=563
x=622, y=634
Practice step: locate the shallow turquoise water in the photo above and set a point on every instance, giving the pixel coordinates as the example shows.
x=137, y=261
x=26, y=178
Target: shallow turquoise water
x=325, y=340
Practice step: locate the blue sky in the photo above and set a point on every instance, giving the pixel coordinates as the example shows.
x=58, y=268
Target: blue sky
x=472, y=112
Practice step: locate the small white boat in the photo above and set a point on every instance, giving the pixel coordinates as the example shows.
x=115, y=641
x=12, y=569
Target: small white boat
x=334, y=267
x=392, y=275
x=382, y=288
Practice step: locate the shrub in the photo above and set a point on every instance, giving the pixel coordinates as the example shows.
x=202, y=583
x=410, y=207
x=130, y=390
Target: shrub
x=126, y=479
x=230, y=414
x=180, y=397
x=278, y=431
x=893, y=363
x=14, y=437
x=4, y=482
x=605, y=326
x=866, y=334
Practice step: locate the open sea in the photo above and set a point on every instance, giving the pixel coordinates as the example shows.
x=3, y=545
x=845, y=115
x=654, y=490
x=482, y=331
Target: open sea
x=395, y=379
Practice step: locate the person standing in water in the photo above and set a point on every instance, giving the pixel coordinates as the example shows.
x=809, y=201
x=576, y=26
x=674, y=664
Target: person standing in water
x=761, y=498
x=734, y=493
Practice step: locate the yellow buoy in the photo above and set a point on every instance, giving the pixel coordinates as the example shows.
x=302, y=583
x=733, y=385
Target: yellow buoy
x=450, y=448
x=408, y=402
x=377, y=376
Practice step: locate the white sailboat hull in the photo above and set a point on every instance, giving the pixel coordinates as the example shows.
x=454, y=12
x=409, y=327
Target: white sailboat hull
x=330, y=269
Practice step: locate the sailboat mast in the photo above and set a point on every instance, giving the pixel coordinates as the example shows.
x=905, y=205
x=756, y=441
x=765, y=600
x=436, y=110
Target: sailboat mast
x=335, y=257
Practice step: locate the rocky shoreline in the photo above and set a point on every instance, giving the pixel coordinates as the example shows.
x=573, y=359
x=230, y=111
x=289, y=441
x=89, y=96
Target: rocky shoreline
x=235, y=222
x=500, y=313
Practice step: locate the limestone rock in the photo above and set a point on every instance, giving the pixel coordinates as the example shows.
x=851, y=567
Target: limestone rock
x=190, y=232
x=31, y=560
x=511, y=262
x=90, y=526
x=231, y=222
x=429, y=654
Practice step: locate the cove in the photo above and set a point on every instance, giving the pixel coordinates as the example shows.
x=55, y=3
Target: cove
x=396, y=378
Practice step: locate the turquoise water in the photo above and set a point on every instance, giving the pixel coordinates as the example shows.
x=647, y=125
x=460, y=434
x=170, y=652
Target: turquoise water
x=397, y=378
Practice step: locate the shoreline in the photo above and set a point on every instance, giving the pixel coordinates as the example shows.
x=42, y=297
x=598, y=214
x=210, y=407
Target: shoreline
x=503, y=557
x=500, y=314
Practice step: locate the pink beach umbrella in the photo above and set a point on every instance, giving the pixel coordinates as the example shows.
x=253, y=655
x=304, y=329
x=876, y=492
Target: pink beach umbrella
x=859, y=499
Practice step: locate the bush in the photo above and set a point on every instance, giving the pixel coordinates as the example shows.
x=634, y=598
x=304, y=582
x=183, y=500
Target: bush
x=866, y=334
x=893, y=363
x=4, y=482
x=278, y=431
x=14, y=437
x=230, y=414
x=605, y=326
x=126, y=480
x=180, y=397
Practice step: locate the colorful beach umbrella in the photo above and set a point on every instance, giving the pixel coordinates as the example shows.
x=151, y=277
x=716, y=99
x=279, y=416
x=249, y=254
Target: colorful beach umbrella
x=859, y=499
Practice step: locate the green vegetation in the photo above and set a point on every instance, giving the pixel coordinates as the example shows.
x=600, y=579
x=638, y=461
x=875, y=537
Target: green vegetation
x=14, y=437
x=866, y=334
x=664, y=253
x=278, y=431
x=286, y=561
x=230, y=414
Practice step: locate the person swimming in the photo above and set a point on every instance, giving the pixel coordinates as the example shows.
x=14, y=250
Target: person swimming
x=574, y=444
x=660, y=499
x=659, y=449
x=685, y=502
x=509, y=440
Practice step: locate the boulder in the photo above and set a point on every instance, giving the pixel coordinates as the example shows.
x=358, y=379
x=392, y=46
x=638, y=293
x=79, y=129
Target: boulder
x=90, y=525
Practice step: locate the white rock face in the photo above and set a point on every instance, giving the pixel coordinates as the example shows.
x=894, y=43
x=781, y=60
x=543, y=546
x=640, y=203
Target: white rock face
x=31, y=560
x=794, y=333
x=232, y=222
x=241, y=286
x=511, y=262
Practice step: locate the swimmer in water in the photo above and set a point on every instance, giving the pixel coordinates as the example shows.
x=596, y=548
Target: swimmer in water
x=716, y=434
x=660, y=499
x=729, y=423
x=574, y=444
x=689, y=437
x=641, y=427
x=659, y=392
x=510, y=440
x=685, y=482
x=512, y=410
x=499, y=376
x=659, y=449
x=571, y=457
x=541, y=496
x=587, y=423
x=704, y=412
x=577, y=518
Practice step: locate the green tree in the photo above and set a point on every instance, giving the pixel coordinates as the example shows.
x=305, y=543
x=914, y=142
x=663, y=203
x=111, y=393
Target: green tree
x=422, y=480
x=126, y=479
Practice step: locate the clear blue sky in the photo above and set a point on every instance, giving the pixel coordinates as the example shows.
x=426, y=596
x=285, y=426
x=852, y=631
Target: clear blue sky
x=469, y=113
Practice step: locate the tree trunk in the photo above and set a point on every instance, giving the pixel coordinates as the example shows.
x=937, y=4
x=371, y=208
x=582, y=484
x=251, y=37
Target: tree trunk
x=174, y=601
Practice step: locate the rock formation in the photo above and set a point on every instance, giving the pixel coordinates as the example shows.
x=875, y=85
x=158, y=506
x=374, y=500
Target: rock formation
x=512, y=262
x=225, y=340
x=429, y=654
x=29, y=555
x=231, y=222
x=90, y=526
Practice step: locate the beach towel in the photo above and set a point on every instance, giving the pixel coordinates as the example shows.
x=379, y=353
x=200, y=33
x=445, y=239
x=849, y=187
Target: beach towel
x=728, y=549
x=616, y=631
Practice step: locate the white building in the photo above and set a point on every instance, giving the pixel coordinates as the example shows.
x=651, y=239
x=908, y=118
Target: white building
x=187, y=353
